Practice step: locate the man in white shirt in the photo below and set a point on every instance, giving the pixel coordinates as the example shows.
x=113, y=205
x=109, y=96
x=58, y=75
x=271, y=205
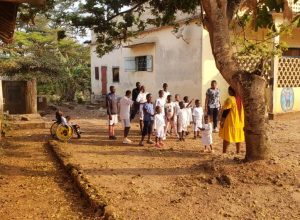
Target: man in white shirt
x=165, y=91
x=125, y=104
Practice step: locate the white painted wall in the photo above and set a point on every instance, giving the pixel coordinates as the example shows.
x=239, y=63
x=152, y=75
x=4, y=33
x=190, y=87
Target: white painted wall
x=174, y=62
x=210, y=71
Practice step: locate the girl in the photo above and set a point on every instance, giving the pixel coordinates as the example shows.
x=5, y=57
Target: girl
x=169, y=109
x=197, y=118
x=159, y=126
x=187, y=105
x=183, y=121
x=207, y=135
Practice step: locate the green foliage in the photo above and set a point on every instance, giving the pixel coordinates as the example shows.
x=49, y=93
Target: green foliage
x=116, y=21
x=60, y=66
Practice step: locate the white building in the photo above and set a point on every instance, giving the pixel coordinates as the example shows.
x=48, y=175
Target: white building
x=183, y=60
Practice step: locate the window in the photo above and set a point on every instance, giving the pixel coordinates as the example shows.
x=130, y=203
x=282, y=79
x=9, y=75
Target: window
x=139, y=63
x=116, y=74
x=292, y=52
x=96, y=73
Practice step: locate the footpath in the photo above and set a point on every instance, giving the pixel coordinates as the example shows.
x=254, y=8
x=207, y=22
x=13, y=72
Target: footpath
x=32, y=185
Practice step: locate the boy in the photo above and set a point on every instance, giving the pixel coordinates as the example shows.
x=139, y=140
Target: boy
x=197, y=118
x=213, y=104
x=75, y=127
x=125, y=104
x=148, y=120
x=165, y=91
x=112, y=112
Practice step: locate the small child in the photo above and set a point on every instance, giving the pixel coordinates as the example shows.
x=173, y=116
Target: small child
x=183, y=121
x=197, y=118
x=188, y=107
x=169, y=110
x=59, y=115
x=207, y=135
x=75, y=127
x=159, y=126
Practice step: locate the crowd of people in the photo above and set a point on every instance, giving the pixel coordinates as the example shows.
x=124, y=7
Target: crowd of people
x=169, y=115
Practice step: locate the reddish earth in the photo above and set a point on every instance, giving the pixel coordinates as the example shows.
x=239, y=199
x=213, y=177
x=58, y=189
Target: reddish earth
x=181, y=182
x=176, y=182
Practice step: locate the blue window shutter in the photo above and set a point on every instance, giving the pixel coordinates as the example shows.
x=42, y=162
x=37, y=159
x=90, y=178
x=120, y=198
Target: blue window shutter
x=150, y=63
x=129, y=64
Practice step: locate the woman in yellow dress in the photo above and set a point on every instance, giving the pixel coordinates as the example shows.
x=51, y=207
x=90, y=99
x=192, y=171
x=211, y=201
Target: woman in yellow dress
x=232, y=121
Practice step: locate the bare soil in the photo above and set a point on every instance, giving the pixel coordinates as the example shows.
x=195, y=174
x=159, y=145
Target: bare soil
x=32, y=186
x=181, y=182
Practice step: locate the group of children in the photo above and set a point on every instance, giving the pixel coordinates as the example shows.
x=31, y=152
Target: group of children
x=164, y=117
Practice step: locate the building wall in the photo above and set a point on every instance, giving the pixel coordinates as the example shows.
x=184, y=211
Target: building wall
x=287, y=100
x=174, y=61
x=210, y=71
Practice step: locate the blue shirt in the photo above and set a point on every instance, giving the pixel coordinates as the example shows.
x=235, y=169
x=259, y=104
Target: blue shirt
x=148, y=111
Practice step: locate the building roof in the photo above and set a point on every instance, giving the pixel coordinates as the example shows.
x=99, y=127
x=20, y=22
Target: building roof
x=8, y=15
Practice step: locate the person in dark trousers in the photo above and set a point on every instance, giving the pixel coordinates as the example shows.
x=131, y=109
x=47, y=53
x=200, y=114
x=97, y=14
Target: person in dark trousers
x=136, y=105
x=213, y=104
x=148, y=120
x=112, y=112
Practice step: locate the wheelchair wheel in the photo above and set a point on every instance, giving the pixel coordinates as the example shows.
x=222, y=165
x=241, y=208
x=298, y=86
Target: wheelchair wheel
x=53, y=129
x=64, y=133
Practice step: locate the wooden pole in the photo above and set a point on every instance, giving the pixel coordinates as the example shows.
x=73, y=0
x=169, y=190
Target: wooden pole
x=31, y=97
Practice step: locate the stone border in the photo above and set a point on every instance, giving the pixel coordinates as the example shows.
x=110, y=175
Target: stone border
x=95, y=198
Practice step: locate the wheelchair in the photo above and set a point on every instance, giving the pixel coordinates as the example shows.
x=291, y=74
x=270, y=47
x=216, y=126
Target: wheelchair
x=61, y=132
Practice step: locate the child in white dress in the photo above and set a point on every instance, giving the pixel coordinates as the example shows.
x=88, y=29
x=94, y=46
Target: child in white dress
x=197, y=118
x=159, y=126
x=207, y=135
x=183, y=121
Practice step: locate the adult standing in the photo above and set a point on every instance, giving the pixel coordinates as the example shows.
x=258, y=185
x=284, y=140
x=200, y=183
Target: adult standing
x=142, y=99
x=213, y=104
x=112, y=112
x=136, y=105
x=232, y=122
x=166, y=93
x=125, y=104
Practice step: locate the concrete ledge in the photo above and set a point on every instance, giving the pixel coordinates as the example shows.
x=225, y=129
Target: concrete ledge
x=273, y=116
x=96, y=199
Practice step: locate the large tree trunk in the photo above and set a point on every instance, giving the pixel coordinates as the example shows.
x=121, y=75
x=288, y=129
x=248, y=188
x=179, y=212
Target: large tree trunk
x=252, y=90
x=249, y=86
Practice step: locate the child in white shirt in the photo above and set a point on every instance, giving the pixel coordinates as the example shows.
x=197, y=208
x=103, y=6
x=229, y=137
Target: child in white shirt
x=183, y=121
x=141, y=98
x=197, y=118
x=159, y=126
x=207, y=135
x=169, y=109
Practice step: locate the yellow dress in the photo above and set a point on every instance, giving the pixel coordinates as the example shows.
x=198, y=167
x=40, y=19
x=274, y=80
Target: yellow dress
x=233, y=129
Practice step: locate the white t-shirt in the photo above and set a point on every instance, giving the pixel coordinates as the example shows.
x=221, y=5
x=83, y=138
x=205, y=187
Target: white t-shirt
x=161, y=103
x=198, y=113
x=125, y=104
x=207, y=134
x=165, y=96
x=169, y=109
x=183, y=117
x=176, y=108
x=142, y=97
x=159, y=122
x=64, y=121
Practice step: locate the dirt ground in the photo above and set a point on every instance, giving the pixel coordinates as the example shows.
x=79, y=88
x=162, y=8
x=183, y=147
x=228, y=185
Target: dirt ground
x=32, y=186
x=181, y=182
